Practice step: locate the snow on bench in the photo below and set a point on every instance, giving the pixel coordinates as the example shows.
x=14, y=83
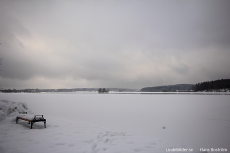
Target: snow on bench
x=31, y=118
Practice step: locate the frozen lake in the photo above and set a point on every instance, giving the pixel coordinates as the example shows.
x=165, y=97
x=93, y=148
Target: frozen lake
x=126, y=122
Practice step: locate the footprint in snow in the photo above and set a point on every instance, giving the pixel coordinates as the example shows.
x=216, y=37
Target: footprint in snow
x=94, y=146
x=71, y=145
x=60, y=144
x=151, y=145
x=106, y=140
x=130, y=142
x=137, y=150
x=89, y=141
x=29, y=140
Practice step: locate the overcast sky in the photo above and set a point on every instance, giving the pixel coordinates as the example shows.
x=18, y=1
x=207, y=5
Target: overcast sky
x=108, y=43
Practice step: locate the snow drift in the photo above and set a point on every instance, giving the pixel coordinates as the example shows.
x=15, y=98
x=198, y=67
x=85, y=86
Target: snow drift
x=10, y=108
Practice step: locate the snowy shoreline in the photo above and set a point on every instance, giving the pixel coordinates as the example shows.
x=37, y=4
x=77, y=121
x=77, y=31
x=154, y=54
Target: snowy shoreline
x=112, y=92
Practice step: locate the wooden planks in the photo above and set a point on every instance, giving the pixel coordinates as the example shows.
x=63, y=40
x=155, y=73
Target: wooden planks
x=23, y=119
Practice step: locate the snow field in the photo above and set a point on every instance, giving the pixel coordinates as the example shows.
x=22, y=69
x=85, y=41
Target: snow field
x=95, y=123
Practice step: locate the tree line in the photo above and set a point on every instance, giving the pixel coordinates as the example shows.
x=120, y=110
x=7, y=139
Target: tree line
x=212, y=85
x=169, y=88
x=102, y=90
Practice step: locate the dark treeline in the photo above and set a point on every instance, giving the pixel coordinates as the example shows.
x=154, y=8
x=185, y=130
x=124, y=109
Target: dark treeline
x=102, y=90
x=212, y=85
x=26, y=90
x=169, y=88
x=46, y=90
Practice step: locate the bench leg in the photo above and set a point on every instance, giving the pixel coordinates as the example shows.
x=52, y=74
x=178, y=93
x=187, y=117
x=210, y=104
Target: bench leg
x=31, y=124
x=44, y=124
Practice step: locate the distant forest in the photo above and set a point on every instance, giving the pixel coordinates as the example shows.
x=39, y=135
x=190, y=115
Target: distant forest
x=212, y=85
x=100, y=90
x=217, y=85
x=169, y=88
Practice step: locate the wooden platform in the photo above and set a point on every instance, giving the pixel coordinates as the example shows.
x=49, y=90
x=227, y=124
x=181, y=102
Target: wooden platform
x=31, y=119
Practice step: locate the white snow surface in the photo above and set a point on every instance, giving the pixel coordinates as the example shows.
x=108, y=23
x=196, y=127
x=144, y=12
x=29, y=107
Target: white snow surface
x=115, y=123
x=29, y=116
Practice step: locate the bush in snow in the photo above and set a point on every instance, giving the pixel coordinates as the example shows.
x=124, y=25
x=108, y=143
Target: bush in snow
x=2, y=115
x=9, y=108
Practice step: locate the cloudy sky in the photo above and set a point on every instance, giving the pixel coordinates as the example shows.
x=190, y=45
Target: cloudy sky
x=108, y=43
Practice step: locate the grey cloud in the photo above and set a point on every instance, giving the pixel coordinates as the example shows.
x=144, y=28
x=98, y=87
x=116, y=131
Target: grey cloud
x=181, y=69
x=114, y=43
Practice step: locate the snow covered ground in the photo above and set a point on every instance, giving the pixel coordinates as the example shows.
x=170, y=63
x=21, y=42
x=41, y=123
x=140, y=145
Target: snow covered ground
x=116, y=123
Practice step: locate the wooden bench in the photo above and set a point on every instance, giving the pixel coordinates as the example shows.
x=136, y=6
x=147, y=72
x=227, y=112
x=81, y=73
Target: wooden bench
x=31, y=118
